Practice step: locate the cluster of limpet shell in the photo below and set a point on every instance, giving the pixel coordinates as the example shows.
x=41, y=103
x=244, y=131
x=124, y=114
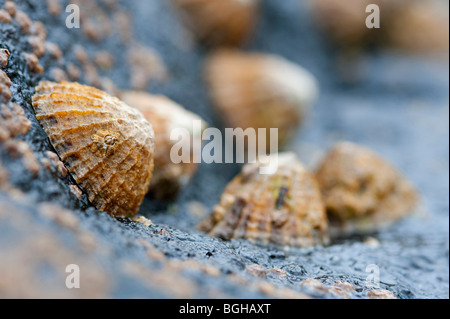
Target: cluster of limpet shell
x=107, y=146
x=283, y=208
x=111, y=148
x=353, y=191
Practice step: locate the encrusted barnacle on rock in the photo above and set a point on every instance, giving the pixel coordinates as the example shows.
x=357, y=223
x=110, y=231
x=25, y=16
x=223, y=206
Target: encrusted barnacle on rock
x=5, y=17
x=146, y=65
x=362, y=192
x=4, y=56
x=38, y=45
x=53, y=49
x=33, y=62
x=54, y=7
x=58, y=75
x=165, y=115
x=13, y=121
x=283, y=208
x=106, y=145
x=255, y=90
x=24, y=21
x=219, y=22
x=5, y=84
x=10, y=7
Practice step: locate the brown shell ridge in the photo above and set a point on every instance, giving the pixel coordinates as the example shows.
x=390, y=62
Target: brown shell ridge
x=129, y=153
x=250, y=222
x=54, y=92
x=84, y=94
x=109, y=205
x=63, y=113
x=47, y=86
x=58, y=98
x=101, y=163
x=69, y=125
x=133, y=164
x=64, y=155
x=66, y=115
x=129, y=140
x=88, y=130
x=62, y=103
x=128, y=190
x=90, y=161
x=64, y=93
x=141, y=187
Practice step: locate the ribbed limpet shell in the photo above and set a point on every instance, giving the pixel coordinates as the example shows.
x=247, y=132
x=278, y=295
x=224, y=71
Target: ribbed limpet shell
x=362, y=191
x=107, y=146
x=165, y=115
x=283, y=208
x=256, y=90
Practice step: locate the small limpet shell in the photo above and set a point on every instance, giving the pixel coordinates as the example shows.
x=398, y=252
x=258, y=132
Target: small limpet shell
x=165, y=115
x=254, y=90
x=362, y=192
x=411, y=25
x=283, y=208
x=107, y=146
x=219, y=22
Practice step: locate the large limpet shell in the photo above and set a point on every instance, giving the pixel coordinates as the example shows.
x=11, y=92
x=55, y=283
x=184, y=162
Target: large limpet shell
x=165, y=115
x=362, y=192
x=283, y=208
x=107, y=146
x=219, y=22
x=255, y=90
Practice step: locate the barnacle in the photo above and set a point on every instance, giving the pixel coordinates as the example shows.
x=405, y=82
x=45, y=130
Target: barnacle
x=165, y=115
x=219, y=22
x=282, y=208
x=362, y=192
x=107, y=146
x=254, y=90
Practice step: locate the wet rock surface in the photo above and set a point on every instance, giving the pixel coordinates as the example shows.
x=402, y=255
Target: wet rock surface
x=399, y=108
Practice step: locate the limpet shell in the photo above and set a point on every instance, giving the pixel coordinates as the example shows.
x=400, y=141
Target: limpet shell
x=345, y=21
x=411, y=25
x=219, y=22
x=284, y=208
x=165, y=115
x=362, y=192
x=255, y=90
x=107, y=146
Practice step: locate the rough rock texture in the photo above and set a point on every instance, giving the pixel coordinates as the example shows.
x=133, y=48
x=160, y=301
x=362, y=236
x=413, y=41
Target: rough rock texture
x=399, y=108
